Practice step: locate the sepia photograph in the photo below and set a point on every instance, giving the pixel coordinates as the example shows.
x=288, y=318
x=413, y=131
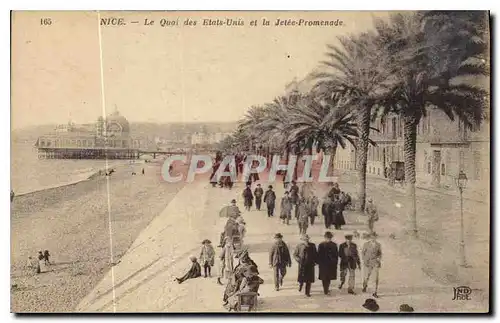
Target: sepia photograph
x=250, y=161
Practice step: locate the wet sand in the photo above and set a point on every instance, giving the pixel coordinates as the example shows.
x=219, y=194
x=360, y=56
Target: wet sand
x=72, y=222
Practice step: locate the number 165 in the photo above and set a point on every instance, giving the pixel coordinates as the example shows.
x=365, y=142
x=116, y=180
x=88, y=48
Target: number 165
x=45, y=21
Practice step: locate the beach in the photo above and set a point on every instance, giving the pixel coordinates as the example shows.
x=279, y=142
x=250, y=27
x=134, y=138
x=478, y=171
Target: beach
x=72, y=222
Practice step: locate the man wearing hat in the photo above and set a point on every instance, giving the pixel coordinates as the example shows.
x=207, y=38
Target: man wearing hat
x=305, y=254
x=349, y=261
x=372, y=214
x=372, y=257
x=286, y=208
x=302, y=215
x=258, y=192
x=328, y=211
x=327, y=261
x=279, y=259
x=248, y=196
x=270, y=200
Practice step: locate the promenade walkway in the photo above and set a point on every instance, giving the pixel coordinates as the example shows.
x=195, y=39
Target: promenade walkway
x=143, y=280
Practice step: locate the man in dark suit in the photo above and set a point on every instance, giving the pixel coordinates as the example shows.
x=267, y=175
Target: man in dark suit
x=305, y=255
x=327, y=260
x=270, y=200
x=349, y=261
x=327, y=211
x=258, y=196
x=279, y=259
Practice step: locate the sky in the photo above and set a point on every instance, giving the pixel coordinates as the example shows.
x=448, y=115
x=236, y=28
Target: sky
x=161, y=74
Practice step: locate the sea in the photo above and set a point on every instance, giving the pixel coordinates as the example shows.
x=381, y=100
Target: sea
x=30, y=174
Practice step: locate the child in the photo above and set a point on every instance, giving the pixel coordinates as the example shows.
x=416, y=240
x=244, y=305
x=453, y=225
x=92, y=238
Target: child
x=40, y=258
x=194, y=272
x=207, y=257
x=46, y=256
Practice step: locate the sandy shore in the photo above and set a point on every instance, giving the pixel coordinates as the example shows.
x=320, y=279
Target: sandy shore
x=72, y=223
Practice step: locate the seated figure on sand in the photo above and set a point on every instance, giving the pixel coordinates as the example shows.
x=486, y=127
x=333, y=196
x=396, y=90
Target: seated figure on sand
x=194, y=271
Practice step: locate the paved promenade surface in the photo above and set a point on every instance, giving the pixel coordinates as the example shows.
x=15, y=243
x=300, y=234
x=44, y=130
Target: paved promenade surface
x=144, y=279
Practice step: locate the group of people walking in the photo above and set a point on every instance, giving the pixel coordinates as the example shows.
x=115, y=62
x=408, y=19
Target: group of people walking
x=327, y=256
x=330, y=258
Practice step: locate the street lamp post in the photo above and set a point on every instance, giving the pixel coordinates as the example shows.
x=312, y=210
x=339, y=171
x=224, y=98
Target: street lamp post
x=462, y=184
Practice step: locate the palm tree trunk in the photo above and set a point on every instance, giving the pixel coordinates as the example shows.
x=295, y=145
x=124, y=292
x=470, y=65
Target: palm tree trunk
x=331, y=169
x=410, y=147
x=362, y=153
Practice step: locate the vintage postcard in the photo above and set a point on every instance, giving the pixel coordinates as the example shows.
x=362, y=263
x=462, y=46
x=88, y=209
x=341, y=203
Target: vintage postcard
x=250, y=161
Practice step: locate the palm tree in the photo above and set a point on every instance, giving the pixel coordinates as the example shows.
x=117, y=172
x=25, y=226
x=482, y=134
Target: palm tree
x=327, y=123
x=423, y=80
x=357, y=69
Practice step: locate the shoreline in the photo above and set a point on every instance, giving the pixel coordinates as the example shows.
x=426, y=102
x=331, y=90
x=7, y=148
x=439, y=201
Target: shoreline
x=89, y=175
x=72, y=222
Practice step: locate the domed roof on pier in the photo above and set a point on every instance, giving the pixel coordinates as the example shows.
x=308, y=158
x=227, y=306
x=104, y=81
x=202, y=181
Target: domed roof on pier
x=117, y=118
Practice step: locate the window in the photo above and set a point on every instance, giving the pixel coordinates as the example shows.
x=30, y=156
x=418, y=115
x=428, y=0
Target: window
x=443, y=169
x=401, y=126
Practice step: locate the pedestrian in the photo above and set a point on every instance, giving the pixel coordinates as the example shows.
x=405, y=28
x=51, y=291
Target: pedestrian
x=46, y=257
x=305, y=255
x=327, y=211
x=241, y=228
x=349, y=261
x=338, y=215
x=303, y=216
x=142, y=171
x=12, y=195
x=335, y=190
x=285, y=180
x=226, y=260
x=230, y=230
x=270, y=200
x=294, y=193
x=371, y=212
x=372, y=259
x=313, y=208
x=207, y=255
x=258, y=196
x=327, y=261
x=279, y=259
x=41, y=260
x=286, y=208
x=194, y=271
x=306, y=191
x=248, y=197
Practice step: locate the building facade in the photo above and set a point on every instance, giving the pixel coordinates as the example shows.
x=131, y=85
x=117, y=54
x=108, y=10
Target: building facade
x=443, y=149
x=200, y=138
x=107, y=138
